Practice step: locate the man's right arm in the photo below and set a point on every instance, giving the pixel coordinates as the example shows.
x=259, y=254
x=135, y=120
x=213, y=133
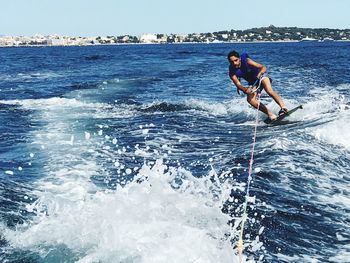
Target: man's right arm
x=238, y=84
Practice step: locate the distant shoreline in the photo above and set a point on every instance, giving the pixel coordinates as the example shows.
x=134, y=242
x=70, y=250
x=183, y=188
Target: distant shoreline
x=269, y=34
x=178, y=43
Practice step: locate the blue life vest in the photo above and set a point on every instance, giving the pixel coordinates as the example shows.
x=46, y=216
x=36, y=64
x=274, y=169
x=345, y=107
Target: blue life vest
x=245, y=71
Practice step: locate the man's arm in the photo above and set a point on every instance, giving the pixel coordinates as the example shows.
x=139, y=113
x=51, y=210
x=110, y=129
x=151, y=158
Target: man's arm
x=261, y=67
x=239, y=85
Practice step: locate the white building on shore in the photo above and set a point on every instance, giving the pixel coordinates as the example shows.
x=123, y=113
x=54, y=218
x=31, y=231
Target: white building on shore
x=148, y=38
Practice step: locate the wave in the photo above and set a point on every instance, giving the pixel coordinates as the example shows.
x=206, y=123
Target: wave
x=186, y=52
x=30, y=76
x=335, y=132
x=64, y=108
x=164, y=107
x=331, y=111
x=94, y=57
x=142, y=221
x=210, y=108
x=89, y=198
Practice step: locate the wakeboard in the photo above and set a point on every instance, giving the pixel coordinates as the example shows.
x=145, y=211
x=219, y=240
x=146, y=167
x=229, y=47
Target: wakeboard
x=281, y=117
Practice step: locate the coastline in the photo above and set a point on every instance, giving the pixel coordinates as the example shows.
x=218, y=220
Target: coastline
x=269, y=34
x=178, y=43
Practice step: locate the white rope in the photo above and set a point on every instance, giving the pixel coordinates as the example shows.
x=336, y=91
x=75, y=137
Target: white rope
x=250, y=171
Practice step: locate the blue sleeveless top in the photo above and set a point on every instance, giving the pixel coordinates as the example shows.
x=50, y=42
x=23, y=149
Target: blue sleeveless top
x=247, y=72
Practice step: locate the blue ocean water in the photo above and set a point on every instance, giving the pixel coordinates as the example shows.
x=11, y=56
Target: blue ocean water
x=139, y=153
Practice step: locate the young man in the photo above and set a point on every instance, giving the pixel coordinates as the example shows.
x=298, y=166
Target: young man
x=246, y=68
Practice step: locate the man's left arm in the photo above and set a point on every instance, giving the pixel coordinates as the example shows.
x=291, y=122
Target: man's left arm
x=261, y=67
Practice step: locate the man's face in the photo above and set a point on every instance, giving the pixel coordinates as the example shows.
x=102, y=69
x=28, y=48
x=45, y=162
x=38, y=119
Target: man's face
x=236, y=62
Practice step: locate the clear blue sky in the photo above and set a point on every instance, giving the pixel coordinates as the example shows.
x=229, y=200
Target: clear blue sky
x=135, y=17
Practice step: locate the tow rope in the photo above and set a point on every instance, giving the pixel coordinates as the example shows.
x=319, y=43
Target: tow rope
x=240, y=245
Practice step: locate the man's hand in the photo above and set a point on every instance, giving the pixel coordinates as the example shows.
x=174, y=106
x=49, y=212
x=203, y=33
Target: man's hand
x=249, y=90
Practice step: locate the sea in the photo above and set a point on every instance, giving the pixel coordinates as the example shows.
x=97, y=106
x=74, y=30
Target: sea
x=140, y=154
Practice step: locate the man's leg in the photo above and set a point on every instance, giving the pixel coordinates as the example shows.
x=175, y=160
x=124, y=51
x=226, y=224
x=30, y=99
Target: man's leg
x=251, y=98
x=273, y=94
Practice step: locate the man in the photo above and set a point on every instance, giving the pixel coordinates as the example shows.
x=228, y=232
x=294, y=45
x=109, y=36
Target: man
x=246, y=68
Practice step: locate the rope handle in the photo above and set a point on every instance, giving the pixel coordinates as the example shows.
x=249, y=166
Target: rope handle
x=257, y=84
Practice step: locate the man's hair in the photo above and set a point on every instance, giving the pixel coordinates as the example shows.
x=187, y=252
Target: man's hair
x=232, y=53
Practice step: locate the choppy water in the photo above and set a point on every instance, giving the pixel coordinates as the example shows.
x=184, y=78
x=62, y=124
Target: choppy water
x=140, y=153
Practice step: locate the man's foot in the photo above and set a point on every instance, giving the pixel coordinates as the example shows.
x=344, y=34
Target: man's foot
x=272, y=117
x=282, y=111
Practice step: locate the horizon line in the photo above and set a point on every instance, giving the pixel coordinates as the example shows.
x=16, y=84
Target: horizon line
x=203, y=32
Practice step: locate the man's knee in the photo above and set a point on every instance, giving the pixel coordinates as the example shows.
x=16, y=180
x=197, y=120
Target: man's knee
x=252, y=102
x=267, y=86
